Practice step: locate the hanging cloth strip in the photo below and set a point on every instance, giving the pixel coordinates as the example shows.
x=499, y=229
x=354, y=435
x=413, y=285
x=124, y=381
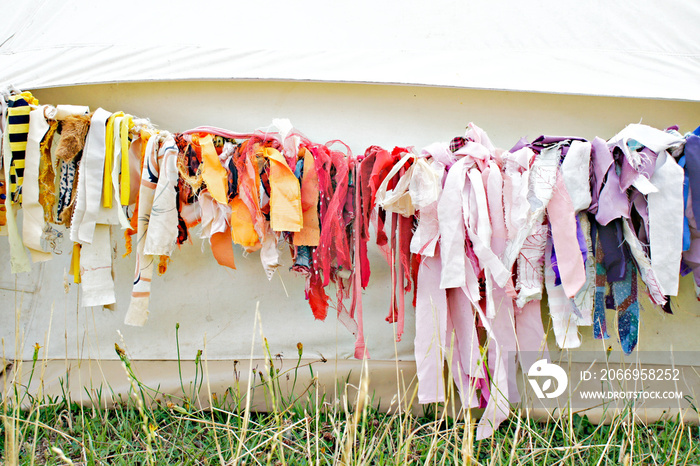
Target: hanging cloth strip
x=665, y=214
x=90, y=225
x=356, y=310
x=107, y=185
x=18, y=110
x=627, y=306
x=47, y=175
x=310, y=232
x=116, y=168
x=19, y=260
x=160, y=156
x=33, y=218
x=691, y=256
x=285, y=196
x=90, y=176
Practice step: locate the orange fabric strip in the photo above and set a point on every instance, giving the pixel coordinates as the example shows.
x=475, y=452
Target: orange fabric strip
x=242, y=228
x=222, y=248
x=310, y=231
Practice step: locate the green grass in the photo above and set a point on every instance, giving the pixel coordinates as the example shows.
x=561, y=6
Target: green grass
x=303, y=427
x=221, y=436
x=153, y=429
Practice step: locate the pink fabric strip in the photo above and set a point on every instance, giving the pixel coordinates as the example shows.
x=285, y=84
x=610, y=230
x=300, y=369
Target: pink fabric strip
x=560, y=212
x=532, y=341
x=431, y=317
x=356, y=308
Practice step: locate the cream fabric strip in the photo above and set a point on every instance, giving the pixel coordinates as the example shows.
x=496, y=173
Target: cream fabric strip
x=162, y=226
x=61, y=112
x=427, y=232
x=33, y=212
x=19, y=260
x=560, y=308
x=97, y=283
x=643, y=264
x=397, y=200
x=137, y=314
x=116, y=170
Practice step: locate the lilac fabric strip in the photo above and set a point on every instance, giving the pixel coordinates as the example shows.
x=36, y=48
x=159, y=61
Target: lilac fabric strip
x=519, y=145
x=628, y=174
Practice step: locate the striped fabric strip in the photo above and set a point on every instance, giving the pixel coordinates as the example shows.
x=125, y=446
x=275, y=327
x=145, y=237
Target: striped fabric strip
x=17, y=129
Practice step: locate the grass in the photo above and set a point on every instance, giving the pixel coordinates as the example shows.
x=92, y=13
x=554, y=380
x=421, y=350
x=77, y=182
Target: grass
x=55, y=432
x=303, y=427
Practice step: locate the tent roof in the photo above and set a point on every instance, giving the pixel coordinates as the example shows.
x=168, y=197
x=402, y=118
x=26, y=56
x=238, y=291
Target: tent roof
x=646, y=49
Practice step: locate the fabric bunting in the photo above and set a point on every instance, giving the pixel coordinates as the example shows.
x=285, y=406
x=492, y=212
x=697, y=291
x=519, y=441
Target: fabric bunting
x=478, y=235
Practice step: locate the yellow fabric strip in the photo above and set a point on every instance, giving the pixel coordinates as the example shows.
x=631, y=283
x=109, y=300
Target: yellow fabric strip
x=14, y=128
x=125, y=178
x=107, y=193
x=75, y=263
x=285, y=194
x=47, y=174
x=31, y=100
x=213, y=173
x=18, y=146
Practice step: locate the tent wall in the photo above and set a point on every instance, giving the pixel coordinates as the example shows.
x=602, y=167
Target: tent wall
x=632, y=49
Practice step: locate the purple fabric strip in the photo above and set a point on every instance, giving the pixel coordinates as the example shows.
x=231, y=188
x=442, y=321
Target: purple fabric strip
x=692, y=164
x=519, y=145
x=546, y=140
x=555, y=267
x=615, y=254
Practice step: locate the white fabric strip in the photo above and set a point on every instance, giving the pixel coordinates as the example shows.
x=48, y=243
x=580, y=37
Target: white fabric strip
x=574, y=169
x=90, y=177
x=541, y=180
x=666, y=222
